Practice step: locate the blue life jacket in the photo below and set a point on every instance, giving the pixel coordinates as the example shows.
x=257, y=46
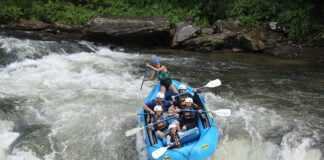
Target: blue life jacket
x=160, y=123
x=189, y=116
x=180, y=101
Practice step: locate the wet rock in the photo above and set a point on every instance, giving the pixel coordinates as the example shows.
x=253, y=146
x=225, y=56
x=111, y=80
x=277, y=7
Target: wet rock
x=284, y=51
x=207, y=31
x=66, y=28
x=246, y=37
x=208, y=43
x=231, y=34
x=123, y=29
x=27, y=25
x=184, y=31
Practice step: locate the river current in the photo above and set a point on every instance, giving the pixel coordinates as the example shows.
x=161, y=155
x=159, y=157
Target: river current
x=70, y=100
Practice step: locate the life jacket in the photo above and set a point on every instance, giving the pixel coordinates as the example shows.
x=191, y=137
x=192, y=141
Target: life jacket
x=175, y=138
x=181, y=103
x=163, y=75
x=189, y=116
x=160, y=123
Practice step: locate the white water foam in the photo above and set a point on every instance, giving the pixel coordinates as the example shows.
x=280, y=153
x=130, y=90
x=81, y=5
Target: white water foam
x=80, y=96
x=243, y=133
x=22, y=154
x=7, y=136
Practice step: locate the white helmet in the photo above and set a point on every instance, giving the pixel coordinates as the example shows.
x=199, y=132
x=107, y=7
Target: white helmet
x=172, y=125
x=188, y=100
x=160, y=95
x=158, y=108
x=182, y=86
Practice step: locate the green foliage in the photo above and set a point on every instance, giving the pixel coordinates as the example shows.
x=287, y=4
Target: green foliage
x=298, y=20
x=253, y=12
x=66, y=13
x=47, y=11
x=10, y=13
x=293, y=13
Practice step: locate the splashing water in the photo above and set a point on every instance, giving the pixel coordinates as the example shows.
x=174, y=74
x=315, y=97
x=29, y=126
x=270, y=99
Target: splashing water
x=69, y=97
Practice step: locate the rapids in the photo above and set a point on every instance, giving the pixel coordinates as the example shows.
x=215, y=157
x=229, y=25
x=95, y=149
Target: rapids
x=64, y=100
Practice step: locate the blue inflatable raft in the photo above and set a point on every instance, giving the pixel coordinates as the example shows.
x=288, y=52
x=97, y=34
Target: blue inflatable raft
x=200, y=145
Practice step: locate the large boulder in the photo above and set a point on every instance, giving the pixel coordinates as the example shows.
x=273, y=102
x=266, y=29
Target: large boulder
x=247, y=38
x=34, y=29
x=27, y=25
x=184, y=31
x=229, y=34
x=123, y=29
x=209, y=43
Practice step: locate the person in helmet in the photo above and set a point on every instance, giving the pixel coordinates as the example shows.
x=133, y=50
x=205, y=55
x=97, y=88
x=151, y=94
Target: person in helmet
x=166, y=105
x=179, y=101
x=160, y=122
x=163, y=75
x=174, y=137
x=189, y=115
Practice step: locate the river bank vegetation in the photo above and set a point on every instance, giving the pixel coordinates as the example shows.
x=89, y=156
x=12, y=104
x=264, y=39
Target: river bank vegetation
x=299, y=17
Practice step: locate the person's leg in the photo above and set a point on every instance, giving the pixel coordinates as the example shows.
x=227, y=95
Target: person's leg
x=162, y=89
x=173, y=89
x=177, y=124
x=160, y=134
x=184, y=127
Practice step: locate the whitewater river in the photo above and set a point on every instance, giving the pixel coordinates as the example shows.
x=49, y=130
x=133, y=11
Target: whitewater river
x=68, y=101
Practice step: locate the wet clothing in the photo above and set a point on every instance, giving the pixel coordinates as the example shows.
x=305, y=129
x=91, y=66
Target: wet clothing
x=163, y=75
x=164, y=78
x=189, y=117
x=175, y=139
x=166, y=83
x=160, y=123
x=180, y=100
x=165, y=105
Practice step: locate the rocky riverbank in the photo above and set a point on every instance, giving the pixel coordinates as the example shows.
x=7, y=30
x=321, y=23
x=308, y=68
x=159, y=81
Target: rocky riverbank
x=157, y=32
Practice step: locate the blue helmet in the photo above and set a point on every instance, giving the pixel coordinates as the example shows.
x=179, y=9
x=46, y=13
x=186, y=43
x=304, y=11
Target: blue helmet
x=156, y=60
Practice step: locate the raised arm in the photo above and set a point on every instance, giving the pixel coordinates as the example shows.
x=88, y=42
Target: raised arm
x=148, y=109
x=162, y=68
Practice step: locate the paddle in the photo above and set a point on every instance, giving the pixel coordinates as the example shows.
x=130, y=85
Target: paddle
x=159, y=152
x=133, y=114
x=211, y=84
x=221, y=112
x=218, y=112
x=135, y=130
x=144, y=77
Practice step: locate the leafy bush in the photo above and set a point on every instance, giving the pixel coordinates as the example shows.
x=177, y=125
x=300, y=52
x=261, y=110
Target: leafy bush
x=253, y=12
x=298, y=20
x=293, y=13
x=66, y=13
x=10, y=13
